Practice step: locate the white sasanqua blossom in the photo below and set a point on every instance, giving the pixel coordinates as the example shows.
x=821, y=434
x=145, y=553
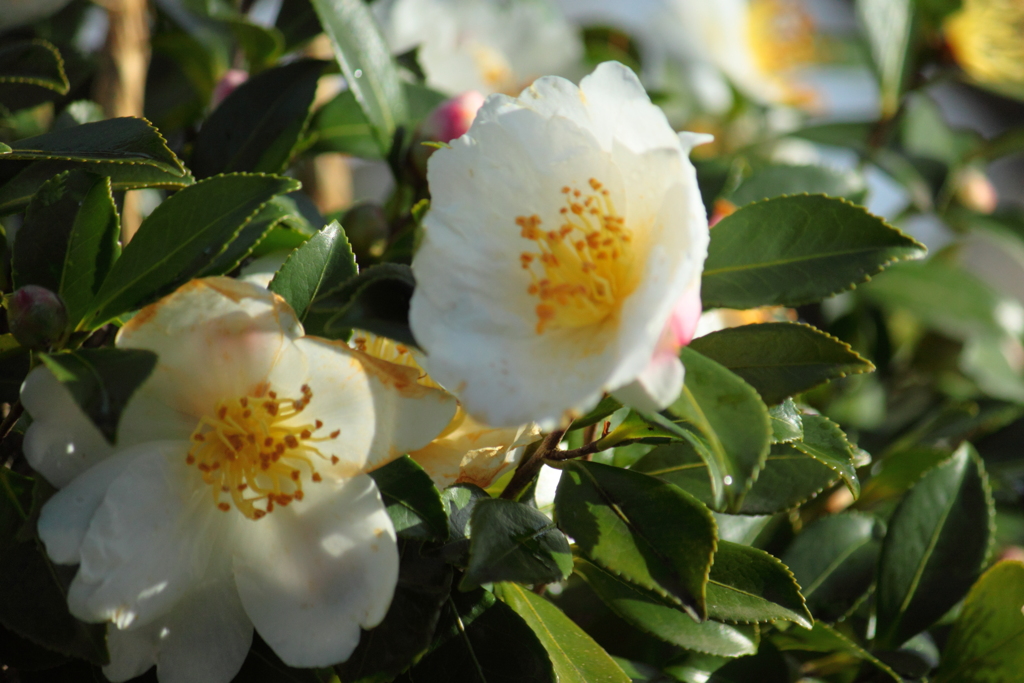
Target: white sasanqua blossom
x=562, y=254
x=236, y=495
x=776, y=52
x=484, y=45
x=467, y=451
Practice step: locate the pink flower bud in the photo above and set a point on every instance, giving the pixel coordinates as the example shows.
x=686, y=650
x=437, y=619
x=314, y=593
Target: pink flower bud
x=451, y=119
x=231, y=79
x=683, y=323
x=36, y=317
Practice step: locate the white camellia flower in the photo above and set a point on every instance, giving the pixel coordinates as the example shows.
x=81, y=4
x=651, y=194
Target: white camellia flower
x=467, y=451
x=484, y=45
x=778, y=52
x=236, y=495
x=566, y=232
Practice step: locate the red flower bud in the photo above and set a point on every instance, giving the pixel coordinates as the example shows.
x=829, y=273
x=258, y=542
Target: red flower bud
x=36, y=317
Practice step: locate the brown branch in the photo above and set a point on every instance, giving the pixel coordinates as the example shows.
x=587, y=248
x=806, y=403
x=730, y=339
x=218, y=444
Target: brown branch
x=583, y=451
x=531, y=463
x=12, y=419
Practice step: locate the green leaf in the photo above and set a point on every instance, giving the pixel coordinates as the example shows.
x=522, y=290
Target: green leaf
x=180, y=238
x=365, y=61
x=270, y=215
x=788, y=479
x=834, y=559
x=102, y=380
x=376, y=300
x=28, y=177
x=795, y=250
x=936, y=546
x=33, y=591
x=73, y=216
x=653, y=614
x=460, y=500
x=575, y=656
x=262, y=44
x=341, y=126
x=475, y=634
x=787, y=423
x=781, y=359
x=986, y=644
x=511, y=541
x=898, y=472
x=748, y=585
x=323, y=263
x=412, y=500
x=259, y=125
x=825, y=442
x=408, y=628
x=767, y=666
x=774, y=180
x=889, y=26
x=31, y=72
x=824, y=638
x=124, y=140
x=606, y=407
x=733, y=421
x=648, y=531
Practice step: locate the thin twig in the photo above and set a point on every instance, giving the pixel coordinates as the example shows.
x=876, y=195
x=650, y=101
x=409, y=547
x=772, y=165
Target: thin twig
x=12, y=419
x=531, y=464
x=583, y=451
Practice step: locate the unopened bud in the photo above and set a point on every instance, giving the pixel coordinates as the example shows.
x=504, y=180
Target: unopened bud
x=36, y=317
x=975, y=191
x=231, y=79
x=367, y=230
x=451, y=119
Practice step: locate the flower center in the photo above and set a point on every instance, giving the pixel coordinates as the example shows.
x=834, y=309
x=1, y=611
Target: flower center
x=255, y=451
x=581, y=271
x=987, y=39
x=781, y=35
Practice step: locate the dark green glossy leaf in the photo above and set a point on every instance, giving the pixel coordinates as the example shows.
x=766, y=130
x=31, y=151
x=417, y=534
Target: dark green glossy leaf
x=834, y=559
x=653, y=614
x=72, y=215
x=33, y=591
x=788, y=479
x=475, y=634
x=825, y=442
x=787, y=423
x=181, y=237
x=412, y=500
x=262, y=44
x=270, y=215
x=645, y=428
x=511, y=541
x=794, y=250
x=102, y=380
x=733, y=421
x=258, y=126
x=31, y=72
x=935, y=548
x=775, y=180
x=575, y=656
x=376, y=300
x=986, y=644
x=124, y=140
x=748, y=585
x=29, y=176
x=824, y=638
x=606, y=407
x=648, y=531
x=365, y=61
x=408, y=628
x=767, y=666
x=323, y=263
x=781, y=359
x=460, y=500
x=898, y=472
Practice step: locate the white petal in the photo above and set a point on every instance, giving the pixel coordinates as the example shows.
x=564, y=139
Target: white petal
x=380, y=409
x=65, y=519
x=311, y=575
x=62, y=442
x=216, y=338
x=203, y=639
x=155, y=535
x=656, y=387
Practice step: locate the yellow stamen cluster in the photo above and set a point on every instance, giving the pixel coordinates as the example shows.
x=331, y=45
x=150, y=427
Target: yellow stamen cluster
x=987, y=39
x=583, y=269
x=254, y=451
x=781, y=35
